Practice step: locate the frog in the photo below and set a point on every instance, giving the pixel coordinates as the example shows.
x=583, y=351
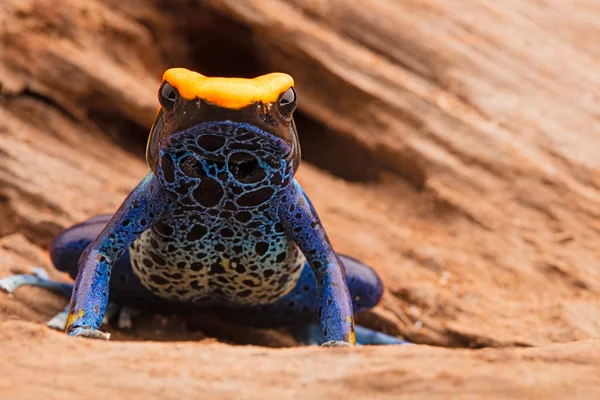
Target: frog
x=220, y=220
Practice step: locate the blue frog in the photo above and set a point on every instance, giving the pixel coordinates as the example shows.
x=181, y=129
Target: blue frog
x=219, y=220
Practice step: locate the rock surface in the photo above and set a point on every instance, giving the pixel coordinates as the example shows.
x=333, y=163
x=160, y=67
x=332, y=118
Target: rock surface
x=452, y=147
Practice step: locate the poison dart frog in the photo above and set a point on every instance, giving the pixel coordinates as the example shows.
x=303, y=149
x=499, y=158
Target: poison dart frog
x=219, y=220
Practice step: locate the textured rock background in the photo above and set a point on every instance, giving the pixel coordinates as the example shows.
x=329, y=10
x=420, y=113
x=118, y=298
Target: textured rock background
x=452, y=145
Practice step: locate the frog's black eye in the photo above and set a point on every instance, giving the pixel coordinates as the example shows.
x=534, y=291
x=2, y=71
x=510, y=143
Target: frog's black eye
x=287, y=102
x=167, y=96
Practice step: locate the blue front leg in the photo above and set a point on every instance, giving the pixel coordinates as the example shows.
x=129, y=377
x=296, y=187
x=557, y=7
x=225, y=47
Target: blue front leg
x=144, y=206
x=301, y=223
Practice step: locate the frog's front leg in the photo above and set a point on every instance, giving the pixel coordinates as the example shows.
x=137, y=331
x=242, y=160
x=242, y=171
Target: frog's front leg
x=144, y=206
x=301, y=223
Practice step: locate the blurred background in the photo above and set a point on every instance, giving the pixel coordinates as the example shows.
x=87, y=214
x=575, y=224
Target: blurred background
x=451, y=145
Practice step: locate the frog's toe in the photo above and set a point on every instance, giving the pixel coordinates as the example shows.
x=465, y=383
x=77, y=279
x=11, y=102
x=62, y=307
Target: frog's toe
x=125, y=318
x=40, y=273
x=59, y=321
x=310, y=334
x=89, y=333
x=38, y=277
x=366, y=336
x=336, y=343
x=10, y=283
x=123, y=314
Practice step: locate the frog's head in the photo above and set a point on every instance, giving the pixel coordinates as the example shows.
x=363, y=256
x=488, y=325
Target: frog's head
x=224, y=139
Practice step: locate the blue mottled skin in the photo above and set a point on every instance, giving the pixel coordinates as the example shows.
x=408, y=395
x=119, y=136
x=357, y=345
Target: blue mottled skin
x=218, y=221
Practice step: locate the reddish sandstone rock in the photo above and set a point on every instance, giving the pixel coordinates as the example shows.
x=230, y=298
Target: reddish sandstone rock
x=452, y=147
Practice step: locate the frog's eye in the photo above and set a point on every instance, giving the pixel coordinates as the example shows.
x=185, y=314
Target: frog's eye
x=167, y=96
x=287, y=102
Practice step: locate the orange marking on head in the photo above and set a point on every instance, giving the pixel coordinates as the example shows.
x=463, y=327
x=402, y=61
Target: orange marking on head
x=233, y=93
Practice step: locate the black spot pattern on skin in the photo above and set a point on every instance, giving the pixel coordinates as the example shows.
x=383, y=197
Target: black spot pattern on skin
x=196, y=266
x=245, y=146
x=183, y=187
x=195, y=285
x=268, y=273
x=283, y=279
x=277, y=180
x=192, y=167
x=229, y=206
x=255, y=197
x=157, y=258
x=237, y=249
x=244, y=136
x=261, y=248
x=281, y=257
x=209, y=193
x=196, y=233
x=240, y=269
x=245, y=168
x=159, y=280
x=168, y=169
x=225, y=214
x=227, y=232
x=243, y=216
x=219, y=247
x=216, y=269
x=211, y=142
x=164, y=229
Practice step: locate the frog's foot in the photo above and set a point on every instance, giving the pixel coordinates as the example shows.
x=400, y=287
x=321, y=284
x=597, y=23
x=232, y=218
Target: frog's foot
x=59, y=321
x=38, y=277
x=124, y=316
x=366, y=336
x=336, y=343
x=89, y=333
x=310, y=334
